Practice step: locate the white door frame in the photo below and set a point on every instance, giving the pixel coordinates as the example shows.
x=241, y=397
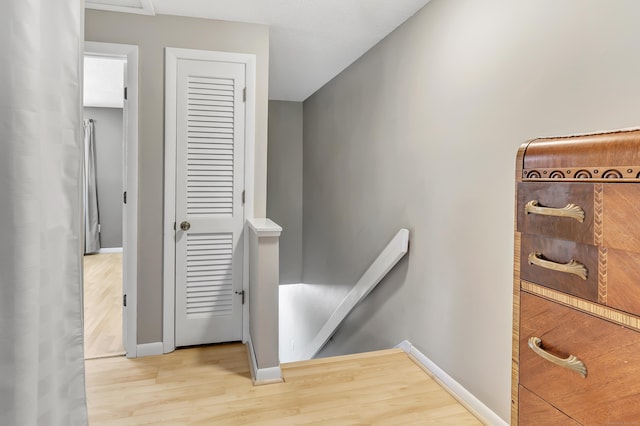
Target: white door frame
x=172, y=55
x=130, y=209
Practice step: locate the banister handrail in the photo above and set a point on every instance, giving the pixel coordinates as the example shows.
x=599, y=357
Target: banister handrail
x=388, y=258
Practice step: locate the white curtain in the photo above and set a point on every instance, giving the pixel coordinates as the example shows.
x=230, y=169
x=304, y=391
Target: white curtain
x=41, y=353
x=91, y=218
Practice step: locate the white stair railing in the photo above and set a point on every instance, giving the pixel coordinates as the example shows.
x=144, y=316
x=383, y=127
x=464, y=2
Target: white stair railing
x=393, y=252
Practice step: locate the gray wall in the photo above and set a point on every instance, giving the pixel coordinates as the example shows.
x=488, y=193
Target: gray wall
x=284, y=184
x=107, y=124
x=263, y=288
x=422, y=132
x=152, y=34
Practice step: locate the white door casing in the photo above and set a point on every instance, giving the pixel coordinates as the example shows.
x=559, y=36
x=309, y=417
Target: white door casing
x=207, y=125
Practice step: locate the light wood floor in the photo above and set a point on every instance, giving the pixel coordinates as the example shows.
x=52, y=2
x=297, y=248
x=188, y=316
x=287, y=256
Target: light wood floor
x=103, y=305
x=212, y=386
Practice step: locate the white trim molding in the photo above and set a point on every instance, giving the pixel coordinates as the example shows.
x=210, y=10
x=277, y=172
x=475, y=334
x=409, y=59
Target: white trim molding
x=249, y=180
x=145, y=7
x=265, y=227
x=150, y=349
x=130, y=213
x=104, y=250
x=172, y=55
x=462, y=395
x=262, y=376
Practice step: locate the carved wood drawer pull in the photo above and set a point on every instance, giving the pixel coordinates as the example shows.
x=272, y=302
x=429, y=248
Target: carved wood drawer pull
x=571, y=211
x=571, y=362
x=573, y=267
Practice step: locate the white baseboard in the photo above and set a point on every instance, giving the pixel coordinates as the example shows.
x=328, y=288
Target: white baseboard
x=262, y=376
x=110, y=250
x=466, y=398
x=149, y=349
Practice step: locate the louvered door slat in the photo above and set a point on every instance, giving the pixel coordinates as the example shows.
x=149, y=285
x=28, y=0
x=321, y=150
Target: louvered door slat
x=220, y=260
x=203, y=162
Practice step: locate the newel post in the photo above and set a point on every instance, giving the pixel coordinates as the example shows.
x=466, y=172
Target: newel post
x=264, y=279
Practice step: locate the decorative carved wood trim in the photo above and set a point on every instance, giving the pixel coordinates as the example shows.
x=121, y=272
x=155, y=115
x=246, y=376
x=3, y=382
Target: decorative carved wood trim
x=597, y=213
x=609, y=174
x=602, y=275
x=515, y=335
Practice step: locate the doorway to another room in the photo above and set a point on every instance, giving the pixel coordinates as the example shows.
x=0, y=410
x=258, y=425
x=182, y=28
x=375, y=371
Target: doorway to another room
x=110, y=199
x=103, y=103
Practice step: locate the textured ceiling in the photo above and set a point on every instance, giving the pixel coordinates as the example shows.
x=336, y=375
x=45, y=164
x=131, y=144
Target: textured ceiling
x=311, y=41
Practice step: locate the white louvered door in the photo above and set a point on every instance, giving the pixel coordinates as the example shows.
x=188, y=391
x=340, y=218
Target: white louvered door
x=209, y=184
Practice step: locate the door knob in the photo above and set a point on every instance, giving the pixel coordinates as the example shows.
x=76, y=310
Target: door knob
x=185, y=226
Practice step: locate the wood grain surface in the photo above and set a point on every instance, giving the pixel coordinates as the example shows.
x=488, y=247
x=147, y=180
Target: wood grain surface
x=561, y=251
x=103, y=305
x=556, y=195
x=623, y=280
x=597, y=320
x=538, y=412
x=211, y=385
x=611, y=353
x=621, y=228
x=608, y=150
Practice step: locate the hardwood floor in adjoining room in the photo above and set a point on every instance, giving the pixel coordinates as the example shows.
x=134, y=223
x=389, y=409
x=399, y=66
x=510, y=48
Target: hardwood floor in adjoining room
x=103, y=305
x=212, y=386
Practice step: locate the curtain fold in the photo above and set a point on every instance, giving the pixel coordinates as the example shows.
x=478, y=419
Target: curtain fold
x=41, y=330
x=91, y=217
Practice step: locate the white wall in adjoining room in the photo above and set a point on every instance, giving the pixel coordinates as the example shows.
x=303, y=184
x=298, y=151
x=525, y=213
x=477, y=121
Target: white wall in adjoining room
x=103, y=82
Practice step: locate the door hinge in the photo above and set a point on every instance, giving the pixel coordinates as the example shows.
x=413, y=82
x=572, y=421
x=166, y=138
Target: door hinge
x=124, y=300
x=244, y=95
x=125, y=93
x=241, y=293
x=124, y=197
x=243, y=192
x=174, y=226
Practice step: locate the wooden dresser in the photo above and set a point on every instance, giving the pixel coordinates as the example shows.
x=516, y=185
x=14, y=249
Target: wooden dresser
x=576, y=321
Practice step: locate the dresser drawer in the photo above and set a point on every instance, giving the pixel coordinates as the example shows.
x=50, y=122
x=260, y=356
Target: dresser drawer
x=535, y=411
x=610, y=392
x=543, y=210
x=540, y=255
